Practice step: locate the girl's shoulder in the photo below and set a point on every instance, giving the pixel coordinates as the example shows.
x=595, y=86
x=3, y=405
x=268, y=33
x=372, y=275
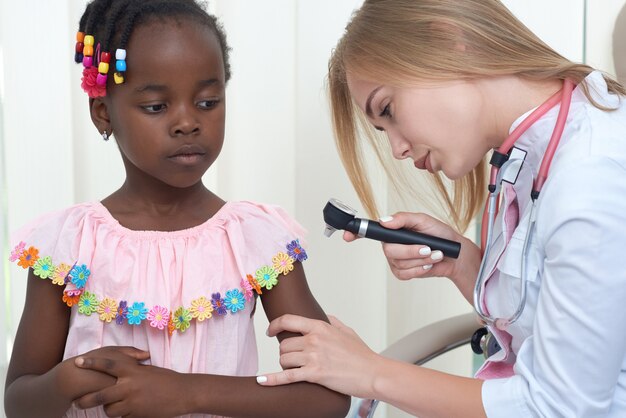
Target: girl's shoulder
x=55, y=232
x=260, y=218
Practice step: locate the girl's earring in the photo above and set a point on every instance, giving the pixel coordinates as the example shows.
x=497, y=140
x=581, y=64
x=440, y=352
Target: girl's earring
x=105, y=136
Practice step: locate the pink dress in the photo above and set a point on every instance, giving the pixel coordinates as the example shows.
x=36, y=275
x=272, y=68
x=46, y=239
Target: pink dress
x=185, y=296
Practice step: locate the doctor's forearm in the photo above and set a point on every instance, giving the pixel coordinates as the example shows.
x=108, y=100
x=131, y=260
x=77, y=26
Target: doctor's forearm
x=427, y=393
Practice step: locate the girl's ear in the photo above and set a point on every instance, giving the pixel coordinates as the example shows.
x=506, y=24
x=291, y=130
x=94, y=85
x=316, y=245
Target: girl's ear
x=100, y=115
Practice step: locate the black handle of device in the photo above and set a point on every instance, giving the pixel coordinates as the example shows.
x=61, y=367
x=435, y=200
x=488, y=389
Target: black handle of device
x=404, y=236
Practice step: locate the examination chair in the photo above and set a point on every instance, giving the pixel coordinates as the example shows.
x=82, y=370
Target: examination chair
x=421, y=346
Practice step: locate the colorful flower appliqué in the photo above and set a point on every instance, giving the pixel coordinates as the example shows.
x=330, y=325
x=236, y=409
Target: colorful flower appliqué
x=158, y=317
x=28, y=258
x=254, y=283
x=247, y=289
x=234, y=300
x=201, y=309
x=182, y=319
x=267, y=277
x=107, y=309
x=79, y=275
x=71, y=297
x=43, y=267
x=295, y=250
x=17, y=252
x=88, y=303
x=137, y=313
x=60, y=273
x=283, y=263
x=122, y=312
x=218, y=304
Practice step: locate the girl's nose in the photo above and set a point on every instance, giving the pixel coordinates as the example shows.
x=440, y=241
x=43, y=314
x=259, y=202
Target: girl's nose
x=185, y=122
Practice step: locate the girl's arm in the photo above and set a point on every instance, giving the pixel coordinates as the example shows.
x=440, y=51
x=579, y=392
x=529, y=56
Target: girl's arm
x=39, y=383
x=334, y=356
x=139, y=387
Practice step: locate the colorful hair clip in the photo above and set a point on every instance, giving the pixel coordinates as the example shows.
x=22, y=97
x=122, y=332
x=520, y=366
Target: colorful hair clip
x=90, y=84
x=103, y=68
x=78, y=56
x=88, y=51
x=120, y=65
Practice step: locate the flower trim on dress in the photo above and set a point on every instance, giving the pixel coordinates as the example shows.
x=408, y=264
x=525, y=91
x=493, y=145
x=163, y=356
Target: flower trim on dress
x=158, y=317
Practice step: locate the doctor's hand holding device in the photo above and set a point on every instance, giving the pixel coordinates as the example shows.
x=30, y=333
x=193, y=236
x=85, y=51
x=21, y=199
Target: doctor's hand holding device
x=452, y=85
x=338, y=215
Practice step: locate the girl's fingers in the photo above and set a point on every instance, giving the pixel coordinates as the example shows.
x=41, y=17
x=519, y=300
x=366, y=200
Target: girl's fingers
x=102, y=397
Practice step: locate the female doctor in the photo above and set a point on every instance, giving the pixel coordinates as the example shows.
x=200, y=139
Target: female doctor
x=449, y=82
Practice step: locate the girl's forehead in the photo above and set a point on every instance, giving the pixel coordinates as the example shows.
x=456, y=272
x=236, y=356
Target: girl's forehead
x=176, y=47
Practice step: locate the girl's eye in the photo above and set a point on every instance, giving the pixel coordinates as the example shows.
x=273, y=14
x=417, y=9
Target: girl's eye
x=208, y=104
x=155, y=108
x=386, y=112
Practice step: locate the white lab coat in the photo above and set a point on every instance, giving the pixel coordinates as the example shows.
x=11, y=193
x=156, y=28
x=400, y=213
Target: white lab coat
x=569, y=345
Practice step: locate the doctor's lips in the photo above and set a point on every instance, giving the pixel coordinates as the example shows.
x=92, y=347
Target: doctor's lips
x=188, y=154
x=423, y=163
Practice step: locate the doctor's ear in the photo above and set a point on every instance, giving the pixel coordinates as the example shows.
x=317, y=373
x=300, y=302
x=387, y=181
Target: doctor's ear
x=98, y=109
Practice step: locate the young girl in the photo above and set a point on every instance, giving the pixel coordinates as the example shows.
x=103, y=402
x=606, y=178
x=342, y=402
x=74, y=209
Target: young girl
x=450, y=82
x=141, y=305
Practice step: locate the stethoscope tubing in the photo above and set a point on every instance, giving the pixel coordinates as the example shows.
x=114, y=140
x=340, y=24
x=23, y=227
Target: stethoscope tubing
x=564, y=97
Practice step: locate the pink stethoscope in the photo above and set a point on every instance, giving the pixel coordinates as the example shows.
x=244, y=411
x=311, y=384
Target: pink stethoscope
x=499, y=161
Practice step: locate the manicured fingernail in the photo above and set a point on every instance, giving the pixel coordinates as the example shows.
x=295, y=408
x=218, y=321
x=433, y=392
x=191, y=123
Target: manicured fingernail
x=437, y=255
x=425, y=251
x=79, y=361
x=427, y=266
x=386, y=218
x=261, y=379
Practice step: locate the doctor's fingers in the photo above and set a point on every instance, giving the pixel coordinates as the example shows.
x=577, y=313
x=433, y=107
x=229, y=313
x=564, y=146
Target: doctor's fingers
x=292, y=344
x=297, y=359
x=295, y=323
x=399, y=252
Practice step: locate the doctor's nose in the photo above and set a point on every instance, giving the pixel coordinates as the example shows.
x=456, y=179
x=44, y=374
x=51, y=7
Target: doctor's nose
x=400, y=147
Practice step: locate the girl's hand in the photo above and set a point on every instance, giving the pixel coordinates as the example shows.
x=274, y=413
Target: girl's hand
x=417, y=261
x=331, y=355
x=73, y=382
x=140, y=391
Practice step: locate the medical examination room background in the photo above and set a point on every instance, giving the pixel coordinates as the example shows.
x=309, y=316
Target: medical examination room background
x=278, y=147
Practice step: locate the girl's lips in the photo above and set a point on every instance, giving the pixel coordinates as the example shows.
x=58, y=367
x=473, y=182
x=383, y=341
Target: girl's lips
x=188, y=149
x=188, y=154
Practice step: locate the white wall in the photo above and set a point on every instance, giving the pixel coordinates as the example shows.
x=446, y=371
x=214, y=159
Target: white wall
x=278, y=146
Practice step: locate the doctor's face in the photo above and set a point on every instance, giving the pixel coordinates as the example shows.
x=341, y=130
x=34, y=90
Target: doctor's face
x=441, y=126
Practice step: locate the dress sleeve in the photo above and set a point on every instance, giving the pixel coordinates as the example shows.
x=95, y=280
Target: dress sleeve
x=267, y=242
x=50, y=246
x=571, y=364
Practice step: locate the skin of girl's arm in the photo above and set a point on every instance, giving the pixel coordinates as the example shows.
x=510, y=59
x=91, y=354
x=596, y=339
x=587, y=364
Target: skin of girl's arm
x=39, y=383
x=243, y=397
x=136, y=391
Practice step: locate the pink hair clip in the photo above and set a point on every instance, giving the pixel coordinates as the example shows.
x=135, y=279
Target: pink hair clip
x=90, y=85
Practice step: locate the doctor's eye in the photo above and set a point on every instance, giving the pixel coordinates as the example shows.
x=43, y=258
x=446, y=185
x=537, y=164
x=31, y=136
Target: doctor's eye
x=386, y=112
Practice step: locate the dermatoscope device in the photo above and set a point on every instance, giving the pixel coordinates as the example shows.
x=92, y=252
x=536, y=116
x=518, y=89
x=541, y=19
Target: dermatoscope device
x=339, y=216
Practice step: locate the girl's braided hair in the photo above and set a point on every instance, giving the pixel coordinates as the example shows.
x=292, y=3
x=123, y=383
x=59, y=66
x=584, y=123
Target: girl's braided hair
x=107, y=25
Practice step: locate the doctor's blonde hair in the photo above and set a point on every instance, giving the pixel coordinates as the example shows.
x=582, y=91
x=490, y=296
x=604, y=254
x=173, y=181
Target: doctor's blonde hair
x=402, y=42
